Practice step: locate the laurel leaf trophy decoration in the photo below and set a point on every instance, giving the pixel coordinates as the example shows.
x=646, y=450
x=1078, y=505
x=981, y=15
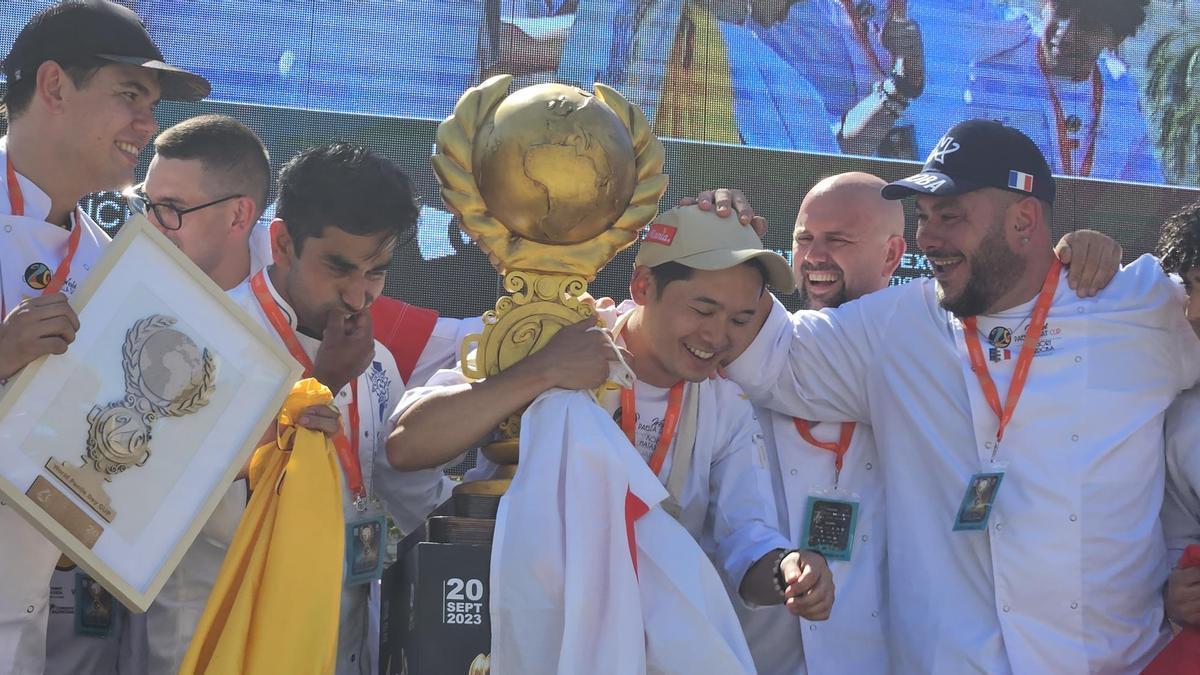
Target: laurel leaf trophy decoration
x=551, y=182
x=166, y=375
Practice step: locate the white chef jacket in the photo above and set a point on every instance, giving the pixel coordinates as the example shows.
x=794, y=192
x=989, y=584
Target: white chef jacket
x=407, y=496
x=783, y=644
x=726, y=502
x=162, y=634
x=122, y=650
x=171, y=621
x=1181, y=505
x=26, y=557
x=1068, y=576
x=591, y=606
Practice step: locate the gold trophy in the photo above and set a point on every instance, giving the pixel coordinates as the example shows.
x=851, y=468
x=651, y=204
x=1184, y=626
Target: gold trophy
x=166, y=375
x=552, y=182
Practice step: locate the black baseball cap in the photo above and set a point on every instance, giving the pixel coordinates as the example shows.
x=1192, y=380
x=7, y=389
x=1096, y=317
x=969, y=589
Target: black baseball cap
x=977, y=154
x=75, y=30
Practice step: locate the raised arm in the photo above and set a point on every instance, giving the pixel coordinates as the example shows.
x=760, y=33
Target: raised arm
x=444, y=421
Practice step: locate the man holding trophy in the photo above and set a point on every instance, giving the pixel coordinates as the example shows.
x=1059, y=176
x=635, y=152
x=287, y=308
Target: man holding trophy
x=83, y=81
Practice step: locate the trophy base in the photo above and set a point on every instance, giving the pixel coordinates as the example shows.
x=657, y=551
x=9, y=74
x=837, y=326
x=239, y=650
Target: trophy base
x=495, y=486
x=502, y=452
x=86, y=484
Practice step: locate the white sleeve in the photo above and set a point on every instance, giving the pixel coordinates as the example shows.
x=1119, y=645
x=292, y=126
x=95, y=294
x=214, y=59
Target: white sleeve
x=742, y=502
x=441, y=351
x=814, y=365
x=1181, y=504
x=408, y=495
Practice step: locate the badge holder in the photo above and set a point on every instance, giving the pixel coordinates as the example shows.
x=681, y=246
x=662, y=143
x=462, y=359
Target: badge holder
x=830, y=520
x=976, y=507
x=366, y=545
x=94, y=607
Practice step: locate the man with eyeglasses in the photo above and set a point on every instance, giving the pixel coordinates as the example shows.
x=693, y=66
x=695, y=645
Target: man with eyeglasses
x=83, y=80
x=206, y=188
x=209, y=178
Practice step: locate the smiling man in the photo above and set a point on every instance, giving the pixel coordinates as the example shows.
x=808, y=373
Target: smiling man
x=695, y=292
x=83, y=81
x=1057, y=422
x=1065, y=86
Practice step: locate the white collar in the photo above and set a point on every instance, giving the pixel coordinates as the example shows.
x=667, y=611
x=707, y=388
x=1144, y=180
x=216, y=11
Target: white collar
x=37, y=202
x=290, y=313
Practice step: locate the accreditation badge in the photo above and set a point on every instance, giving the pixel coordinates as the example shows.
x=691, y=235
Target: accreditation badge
x=829, y=526
x=977, y=501
x=366, y=538
x=94, y=607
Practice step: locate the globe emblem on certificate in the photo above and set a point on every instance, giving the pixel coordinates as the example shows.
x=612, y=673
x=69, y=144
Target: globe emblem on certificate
x=166, y=375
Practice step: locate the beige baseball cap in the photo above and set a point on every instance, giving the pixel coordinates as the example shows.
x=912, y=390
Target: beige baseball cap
x=703, y=240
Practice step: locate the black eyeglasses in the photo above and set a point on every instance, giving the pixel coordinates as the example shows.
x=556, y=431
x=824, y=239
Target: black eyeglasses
x=170, y=217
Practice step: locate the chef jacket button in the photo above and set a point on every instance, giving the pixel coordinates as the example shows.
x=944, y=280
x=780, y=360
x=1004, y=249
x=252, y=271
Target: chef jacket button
x=793, y=472
x=1074, y=605
x=999, y=526
x=1074, y=517
x=812, y=627
x=1075, y=437
x=988, y=445
x=87, y=267
x=366, y=434
x=29, y=609
x=864, y=538
x=868, y=466
x=875, y=613
x=1079, y=310
x=8, y=228
x=1078, y=359
x=1005, y=608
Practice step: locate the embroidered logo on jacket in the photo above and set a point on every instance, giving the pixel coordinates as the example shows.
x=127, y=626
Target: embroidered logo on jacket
x=381, y=387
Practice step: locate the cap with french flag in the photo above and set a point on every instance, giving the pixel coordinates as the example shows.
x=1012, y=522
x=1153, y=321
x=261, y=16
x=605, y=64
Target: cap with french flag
x=1020, y=181
x=979, y=154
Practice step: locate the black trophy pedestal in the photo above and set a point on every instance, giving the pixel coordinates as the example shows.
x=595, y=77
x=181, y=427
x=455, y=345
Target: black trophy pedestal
x=434, y=605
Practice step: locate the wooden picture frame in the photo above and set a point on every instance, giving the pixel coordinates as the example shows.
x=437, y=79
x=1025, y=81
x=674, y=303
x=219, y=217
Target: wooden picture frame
x=163, y=395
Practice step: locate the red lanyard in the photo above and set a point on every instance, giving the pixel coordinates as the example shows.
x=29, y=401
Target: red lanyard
x=1033, y=334
x=1060, y=120
x=16, y=201
x=860, y=32
x=838, y=449
x=629, y=423
x=347, y=449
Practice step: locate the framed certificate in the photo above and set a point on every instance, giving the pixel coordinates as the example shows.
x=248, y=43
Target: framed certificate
x=118, y=450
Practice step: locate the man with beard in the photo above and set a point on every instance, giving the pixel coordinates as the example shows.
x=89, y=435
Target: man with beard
x=1063, y=568
x=1067, y=89
x=848, y=242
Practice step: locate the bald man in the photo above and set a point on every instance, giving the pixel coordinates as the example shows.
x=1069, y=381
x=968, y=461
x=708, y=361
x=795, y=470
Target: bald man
x=828, y=489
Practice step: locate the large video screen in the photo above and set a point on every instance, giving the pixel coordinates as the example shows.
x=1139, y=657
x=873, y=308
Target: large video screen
x=765, y=95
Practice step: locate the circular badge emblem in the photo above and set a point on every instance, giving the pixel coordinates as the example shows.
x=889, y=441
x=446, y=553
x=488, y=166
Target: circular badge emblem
x=38, y=276
x=1000, y=337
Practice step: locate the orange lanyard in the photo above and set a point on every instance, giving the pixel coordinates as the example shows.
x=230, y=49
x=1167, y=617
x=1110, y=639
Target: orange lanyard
x=1060, y=120
x=1033, y=334
x=347, y=449
x=838, y=449
x=629, y=423
x=16, y=200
